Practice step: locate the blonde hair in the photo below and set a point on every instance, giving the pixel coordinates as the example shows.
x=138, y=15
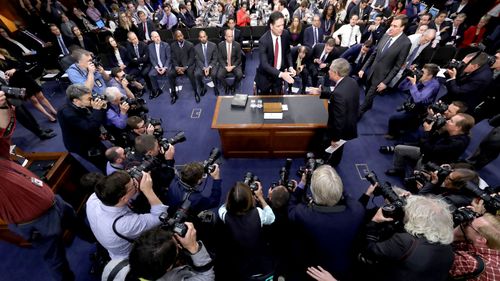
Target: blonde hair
x=7, y=55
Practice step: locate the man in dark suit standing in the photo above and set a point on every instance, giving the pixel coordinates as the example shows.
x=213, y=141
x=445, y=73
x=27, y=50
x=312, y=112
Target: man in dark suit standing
x=343, y=105
x=322, y=56
x=206, y=63
x=385, y=61
x=275, y=58
x=144, y=27
x=138, y=57
x=159, y=57
x=314, y=33
x=229, y=60
x=182, y=63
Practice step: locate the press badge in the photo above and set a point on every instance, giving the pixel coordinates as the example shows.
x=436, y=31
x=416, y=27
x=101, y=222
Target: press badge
x=36, y=182
x=98, y=83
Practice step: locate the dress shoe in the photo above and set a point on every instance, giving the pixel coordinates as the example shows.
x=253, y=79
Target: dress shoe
x=395, y=173
x=173, y=99
x=47, y=131
x=389, y=137
x=46, y=136
x=197, y=97
x=216, y=91
x=203, y=91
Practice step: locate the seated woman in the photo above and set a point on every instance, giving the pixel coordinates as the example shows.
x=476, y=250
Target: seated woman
x=83, y=41
x=17, y=77
x=296, y=31
x=243, y=15
x=243, y=251
x=124, y=26
x=300, y=58
x=328, y=20
x=474, y=34
x=221, y=18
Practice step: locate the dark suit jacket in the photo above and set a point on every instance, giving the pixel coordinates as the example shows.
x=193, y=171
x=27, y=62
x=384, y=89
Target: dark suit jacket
x=55, y=44
x=143, y=58
x=295, y=52
x=182, y=56
x=365, y=14
x=236, y=37
x=187, y=19
x=343, y=109
x=444, y=35
x=140, y=30
x=266, y=73
x=457, y=39
x=88, y=44
x=376, y=34
x=235, y=54
x=318, y=50
x=309, y=36
x=111, y=59
x=164, y=55
x=352, y=54
x=384, y=66
x=212, y=54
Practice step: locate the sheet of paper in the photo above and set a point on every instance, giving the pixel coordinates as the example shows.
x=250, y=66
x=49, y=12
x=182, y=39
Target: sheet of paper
x=284, y=107
x=49, y=75
x=441, y=73
x=210, y=84
x=331, y=149
x=295, y=90
x=277, y=116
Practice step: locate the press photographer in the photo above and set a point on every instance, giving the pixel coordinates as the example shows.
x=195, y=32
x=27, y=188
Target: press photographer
x=116, y=113
x=87, y=71
x=421, y=252
x=137, y=126
x=128, y=85
x=81, y=120
x=423, y=88
x=116, y=157
x=113, y=223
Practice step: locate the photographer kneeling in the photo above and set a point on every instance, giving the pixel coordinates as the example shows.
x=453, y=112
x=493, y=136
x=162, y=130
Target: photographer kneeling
x=423, y=91
x=113, y=223
x=421, y=252
x=155, y=255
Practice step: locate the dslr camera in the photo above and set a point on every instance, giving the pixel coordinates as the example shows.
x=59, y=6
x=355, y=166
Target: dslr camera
x=96, y=60
x=14, y=93
x=284, y=179
x=463, y=215
x=491, y=203
x=394, y=209
x=177, y=138
x=407, y=106
x=251, y=180
x=147, y=164
x=96, y=97
x=439, y=107
x=423, y=176
x=176, y=222
x=311, y=163
x=208, y=165
x=418, y=73
x=438, y=121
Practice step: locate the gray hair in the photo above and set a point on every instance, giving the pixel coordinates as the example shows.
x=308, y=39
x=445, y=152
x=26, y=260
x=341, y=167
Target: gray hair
x=78, y=54
x=76, y=91
x=430, y=218
x=341, y=67
x=326, y=186
x=111, y=93
x=462, y=16
x=430, y=32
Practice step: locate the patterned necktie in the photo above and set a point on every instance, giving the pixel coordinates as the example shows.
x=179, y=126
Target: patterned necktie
x=386, y=46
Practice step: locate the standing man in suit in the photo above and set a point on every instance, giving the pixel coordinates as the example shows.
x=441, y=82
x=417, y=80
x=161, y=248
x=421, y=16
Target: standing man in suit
x=229, y=60
x=206, y=63
x=138, y=57
x=159, y=57
x=385, y=61
x=314, y=33
x=182, y=63
x=322, y=56
x=343, y=107
x=275, y=58
x=144, y=28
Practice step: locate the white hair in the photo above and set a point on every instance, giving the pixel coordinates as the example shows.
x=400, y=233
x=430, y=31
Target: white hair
x=326, y=186
x=430, y=218
x=111, y=93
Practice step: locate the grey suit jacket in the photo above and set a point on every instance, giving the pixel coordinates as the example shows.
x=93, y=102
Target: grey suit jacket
x=384, y=66
x=211, y=55
x=235, y=54
x=164, y=55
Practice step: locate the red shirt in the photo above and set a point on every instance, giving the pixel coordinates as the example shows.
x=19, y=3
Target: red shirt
x=21, y=200
x=242, y=19
x=465, y=262
x=5, y=136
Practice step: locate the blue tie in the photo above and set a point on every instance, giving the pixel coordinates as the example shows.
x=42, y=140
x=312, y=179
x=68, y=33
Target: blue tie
x=412, y=57
x=386, y=46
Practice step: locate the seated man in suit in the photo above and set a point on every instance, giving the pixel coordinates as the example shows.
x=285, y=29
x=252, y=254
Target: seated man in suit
x=424, y=19
x=185, y=17
x=322, y=56
x=138, y=57
x=375, y=31
x=357, y=55
x=206, y=62
x=442, y=27
x=229, y=60
x=159, y=57
x=457, y=31
x=362, y=10
x=60, y=42
x=231, y=24
x=144, y=27
x=275, y=64
x=314, y=33
x=182, y=63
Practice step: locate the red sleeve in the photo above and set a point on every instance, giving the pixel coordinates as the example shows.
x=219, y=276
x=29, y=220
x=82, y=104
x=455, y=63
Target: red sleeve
x=5, y=136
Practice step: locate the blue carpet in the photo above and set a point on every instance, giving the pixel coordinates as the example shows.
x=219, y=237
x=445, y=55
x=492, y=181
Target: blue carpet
x=25, y=265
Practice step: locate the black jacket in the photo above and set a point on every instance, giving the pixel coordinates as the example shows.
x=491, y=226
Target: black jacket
x=343, y=110
x=443, y=148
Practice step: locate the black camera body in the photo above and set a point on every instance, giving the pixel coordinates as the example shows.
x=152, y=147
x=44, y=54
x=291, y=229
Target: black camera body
x=406, y=106
x=395, y=208
x=208, y=165
x=491, y=203
x=457, y=64
x=177, y=138
x=251, y=180
x=176, y=223
x=463, y=215
x=147, y=164
x=418, y=73
x=442, y=172
x=96, y=60
x=437, y=121
x=13, y=93
x=284, y=179
x=311, y=163
x=439, y=107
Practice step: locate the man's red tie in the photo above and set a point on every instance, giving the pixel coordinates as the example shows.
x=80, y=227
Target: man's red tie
x=276, y=52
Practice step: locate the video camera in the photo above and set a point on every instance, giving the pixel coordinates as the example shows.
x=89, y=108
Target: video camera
x=14, y=93
x=177, y=138
x=394, y=209
x=311, y=163
x=208, y=165
x=251, y=180
x=176, y=223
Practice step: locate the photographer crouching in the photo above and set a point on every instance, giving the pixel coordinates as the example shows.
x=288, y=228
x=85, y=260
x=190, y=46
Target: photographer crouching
x=423, y=88
x=421, y=252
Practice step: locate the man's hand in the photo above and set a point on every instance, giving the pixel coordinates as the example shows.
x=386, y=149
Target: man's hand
x=216, y=173
x=169, y=154
x=258, y=193
x=452, y=72
x=286, y=76
x=122, y=66
x=146, y=184
x=371, y=189
x=100, y=69
x=427, y=127
x=413, y=80
x=292, y=71
x=361, y=73
x=91, y=68
x=381, y=87
x=124, y=82
x=320, y=274
x=10, y=72
x=379, y=217
x=229, y=68
x=322, y=65
x=478, y=206
x=150, y=129
x=124, y=107
x=317, y=61
x=189, y=241
x=206, y=71
x=97, y=104
x=3, y=99
x=337, y=41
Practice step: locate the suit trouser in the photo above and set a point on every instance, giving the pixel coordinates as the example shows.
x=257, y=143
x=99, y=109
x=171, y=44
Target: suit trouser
x=153, y=77
x=27, y=120
x=222, y=72
x=403, y=122
x=46, y=235
x=199, y=74
x=143, y=72
x=315, y=72
x=189, y=72
x=371, y=92
x=405, y=154
x=488, y=149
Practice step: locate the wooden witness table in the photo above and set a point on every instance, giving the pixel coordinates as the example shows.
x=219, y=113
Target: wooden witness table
x=245, y=133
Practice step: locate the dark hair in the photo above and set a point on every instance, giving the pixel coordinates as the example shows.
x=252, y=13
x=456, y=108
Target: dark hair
x=109, y=45
x=403, y=19
x=442, y=12
x=133, y=121
x=283, y=3
x=304, y=3
x=299, y=28
x=111, y=188
x=462, y=176
x=140, y=12
x=462, y=106
x=330, y=42
x=115, y=70
x=166, y=5
x=479, y=59
x=432, y=68
x=280, y=197
x=427, y=14
x=145, y=143
x=182, y=6
x=368, y=43
x=89, y=181
x=239, y=199
x=466, y=123
x=192, y=173
x=325, y=11
x=274, y=17
x=221, y=5
x=152, y=254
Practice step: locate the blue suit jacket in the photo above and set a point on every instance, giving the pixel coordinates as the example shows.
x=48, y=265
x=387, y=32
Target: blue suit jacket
x=309, y=36
x=164, y=55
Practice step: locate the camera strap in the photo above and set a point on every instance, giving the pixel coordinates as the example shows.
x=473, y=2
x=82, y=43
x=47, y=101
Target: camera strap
x=97, y=82
x=117, y=269
x=7, y=132
x=119, y=234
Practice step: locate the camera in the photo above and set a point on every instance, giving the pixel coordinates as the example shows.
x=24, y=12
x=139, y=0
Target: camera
x=165, y=143
x=137, y=106
x=176, y=223
x=311, y=163
x=437, y=121
x=457, y=64
x=250, y=179
x=394, y=209
x=208, y=165
x=14, y=93
x=407, y=106
x=284, y=179
x=418, y=73
x=148, y=163
x=442, y=172
x=96, y=97
x=463, y=215
x=423, y=176
x=491, y=203
x=420, y=177
x=96, y=60
x=438, y=107
x=130, y=78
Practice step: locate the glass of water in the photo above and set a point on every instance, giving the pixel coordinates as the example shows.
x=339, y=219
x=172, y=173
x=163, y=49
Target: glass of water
x=252, y=104
x=259, y=103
